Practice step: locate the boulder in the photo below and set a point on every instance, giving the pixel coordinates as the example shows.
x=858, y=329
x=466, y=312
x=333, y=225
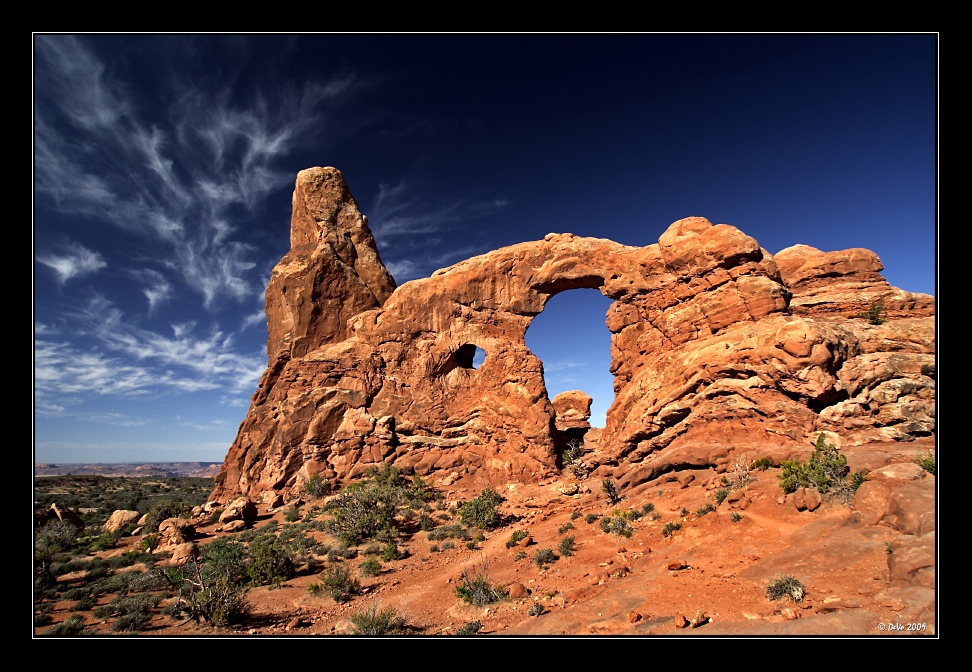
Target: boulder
x=241, y=509
x=119, y=520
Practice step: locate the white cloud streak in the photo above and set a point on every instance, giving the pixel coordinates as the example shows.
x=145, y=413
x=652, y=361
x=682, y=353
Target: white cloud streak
x=74, y=262
x=168, y=176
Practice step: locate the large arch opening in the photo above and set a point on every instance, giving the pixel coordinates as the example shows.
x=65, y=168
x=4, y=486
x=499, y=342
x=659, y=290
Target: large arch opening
x=570, y=338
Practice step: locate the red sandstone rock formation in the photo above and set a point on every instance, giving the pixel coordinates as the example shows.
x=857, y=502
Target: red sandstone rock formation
x=716, y=346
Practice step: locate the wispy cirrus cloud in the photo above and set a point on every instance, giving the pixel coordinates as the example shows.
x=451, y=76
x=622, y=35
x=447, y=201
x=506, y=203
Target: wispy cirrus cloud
x=402, y=220
x=131, y=361
x=74, y=261
x=172, y=173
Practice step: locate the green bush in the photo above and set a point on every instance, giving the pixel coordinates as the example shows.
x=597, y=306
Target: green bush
x=376, y=506
x=270, y=561
x=762, y=463
x=704, y=509
x=544, y=557
x=535, y=609
x=391, y=551
x=476, y=589
x=721, y=494
x=610, y=488
x=483, y=512
x=470, y=628
x=874, y=314
x=454, y=531
x=337, y=582
x=787, y=586
x=371, y=567
x=565, y=528
x=566, y=547
x=592, y=518
x=516, y=538
x=671, y=528
x=519, y=556
x=616, y=524
x=317, y=486
x=373, y=621
x=927, y=462
x=292, y=514
x=72, y=626
x=826, y=468
x=735, y=517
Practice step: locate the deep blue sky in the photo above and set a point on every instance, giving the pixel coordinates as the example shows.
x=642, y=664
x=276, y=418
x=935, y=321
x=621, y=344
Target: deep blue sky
x=164, y=167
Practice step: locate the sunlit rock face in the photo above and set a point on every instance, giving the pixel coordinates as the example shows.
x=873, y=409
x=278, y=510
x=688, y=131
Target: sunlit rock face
x=717, y=346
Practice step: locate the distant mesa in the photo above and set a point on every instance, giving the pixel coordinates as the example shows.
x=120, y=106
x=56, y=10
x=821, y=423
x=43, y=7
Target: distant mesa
x=716, y=346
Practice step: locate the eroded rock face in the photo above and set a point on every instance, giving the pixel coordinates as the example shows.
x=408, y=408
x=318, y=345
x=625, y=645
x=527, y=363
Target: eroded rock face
x=715, y=344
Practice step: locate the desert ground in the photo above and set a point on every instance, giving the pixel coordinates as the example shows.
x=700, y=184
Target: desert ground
x=865, y=570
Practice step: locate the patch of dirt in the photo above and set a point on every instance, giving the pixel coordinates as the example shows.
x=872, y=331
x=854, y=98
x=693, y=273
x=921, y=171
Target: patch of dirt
x=707, y=578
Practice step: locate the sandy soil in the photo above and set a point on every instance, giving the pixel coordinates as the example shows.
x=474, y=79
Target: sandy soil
x=712, y=572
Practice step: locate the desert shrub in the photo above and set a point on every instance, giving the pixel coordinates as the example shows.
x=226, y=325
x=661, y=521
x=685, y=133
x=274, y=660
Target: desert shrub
x=426, y=522
x=874, y=313
x=134, y=612
x=647, y=508
x=704, y=509
x=671, y=528
x=483, y=512
x=342, y=552
x=338, y=583
x=469, y=628
x=86, y=603
x=391, y=551
x=212, y=598
x=788, y=586
x=519, y=556
x=721, y=494
x=447, y=545
x=105, y=541
x=476, y=589
x=373, y=621
x=454, y=531
x=926, y=461
x=42, y=613
x=592, y=518
x=826, y=471
x=516, y=538
x=72, y=626
x=741, y=473
x=292, y=514
x=544, y=557
x=575, y=515
x=535, y=609
x=573, y=452
x=616, y=524
x=566, y=546
x=683, y=511
x=374, y=507
x=370, y=567
x=610, y=488
x=269, y=561
x=763, y=463
x=735, y=517
x=565, y=528
x=317, y=486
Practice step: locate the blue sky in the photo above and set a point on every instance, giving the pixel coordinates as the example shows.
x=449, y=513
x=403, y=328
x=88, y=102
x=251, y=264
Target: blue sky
x=164, y=165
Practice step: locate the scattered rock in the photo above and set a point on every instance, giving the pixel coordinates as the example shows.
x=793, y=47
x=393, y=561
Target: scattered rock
x=119, y=520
